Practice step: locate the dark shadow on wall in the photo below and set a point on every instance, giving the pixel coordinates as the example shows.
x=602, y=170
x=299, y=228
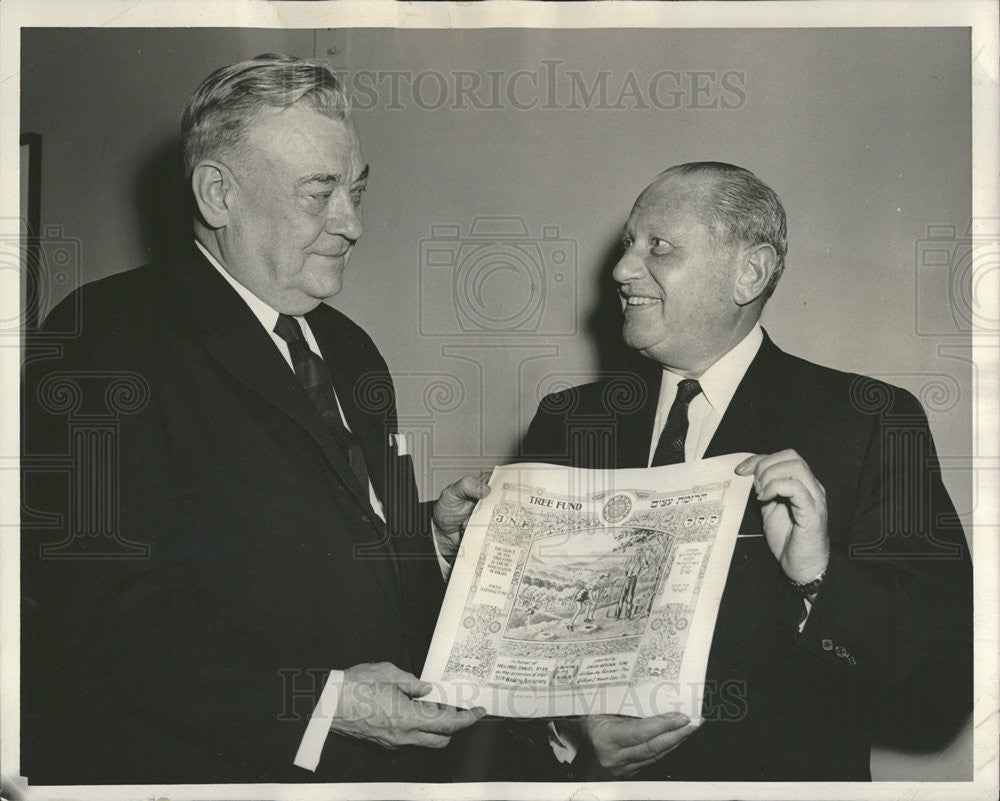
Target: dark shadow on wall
x=603, y=323
x=602, y=326
x=164, y=202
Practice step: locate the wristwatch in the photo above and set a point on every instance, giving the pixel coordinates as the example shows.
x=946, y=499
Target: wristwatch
x=809, y=587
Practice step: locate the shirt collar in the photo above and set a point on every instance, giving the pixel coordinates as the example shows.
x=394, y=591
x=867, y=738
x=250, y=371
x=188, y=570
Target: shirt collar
x=268, y=317
x=719, y=382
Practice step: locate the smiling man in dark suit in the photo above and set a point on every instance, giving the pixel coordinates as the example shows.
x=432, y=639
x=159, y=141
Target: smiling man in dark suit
x=848, y=601
x=263, y=502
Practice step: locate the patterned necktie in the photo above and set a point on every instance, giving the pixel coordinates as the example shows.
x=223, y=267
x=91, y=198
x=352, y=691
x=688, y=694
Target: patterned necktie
x=670, y=448
x=314, y=376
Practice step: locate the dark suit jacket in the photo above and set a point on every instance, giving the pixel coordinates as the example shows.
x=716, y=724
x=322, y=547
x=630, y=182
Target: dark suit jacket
x=215, y=556
x=888, y=642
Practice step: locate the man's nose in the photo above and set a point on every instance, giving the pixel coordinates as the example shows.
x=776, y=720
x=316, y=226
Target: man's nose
x=345, y=217
x=628, y=268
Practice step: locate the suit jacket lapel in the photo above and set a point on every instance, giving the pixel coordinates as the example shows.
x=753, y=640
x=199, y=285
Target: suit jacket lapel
x=235, y=337
x=635, y=430
x=371, y=426
x=753, y=423
x=753, y=417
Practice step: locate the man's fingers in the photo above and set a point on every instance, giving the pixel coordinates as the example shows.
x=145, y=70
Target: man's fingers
x=630, y=769
x=377, y=675
x=633, y=731
x=657, y=747
x=425, y=739
x=761, y=462
x=406, y=682
x=456, y=497
x=441, y=719
x=472, y=488
x=791, y=468
x=415, y=688
x=628, y=761
x=790, y=488
x=765, y=460
x=782, y=464
x=748, y=465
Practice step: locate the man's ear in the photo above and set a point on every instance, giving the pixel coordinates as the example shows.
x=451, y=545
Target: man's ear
x=212, y=186
x=756, y=269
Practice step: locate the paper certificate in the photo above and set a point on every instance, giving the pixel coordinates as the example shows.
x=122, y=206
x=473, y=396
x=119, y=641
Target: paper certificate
x=588, y=591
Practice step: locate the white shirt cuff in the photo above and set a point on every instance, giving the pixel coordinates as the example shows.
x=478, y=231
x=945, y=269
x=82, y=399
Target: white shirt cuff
x=809, y=606
x=564, y=750
x=442, y=562
x=318, y=727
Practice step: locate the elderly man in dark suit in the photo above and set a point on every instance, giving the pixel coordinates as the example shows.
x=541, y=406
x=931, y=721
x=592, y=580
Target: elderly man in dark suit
x=848, y=601
x=264, y=547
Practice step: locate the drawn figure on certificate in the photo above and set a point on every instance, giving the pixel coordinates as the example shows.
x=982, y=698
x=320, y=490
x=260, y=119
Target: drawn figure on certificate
x=582, y=599
x=596, y=596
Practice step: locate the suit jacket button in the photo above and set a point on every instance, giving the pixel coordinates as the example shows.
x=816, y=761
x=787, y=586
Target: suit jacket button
x=841, y=651
x=366, y=518
x=827, y=645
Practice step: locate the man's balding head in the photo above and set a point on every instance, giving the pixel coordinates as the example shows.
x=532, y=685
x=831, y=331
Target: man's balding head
x=704, y=248
x=738, y=206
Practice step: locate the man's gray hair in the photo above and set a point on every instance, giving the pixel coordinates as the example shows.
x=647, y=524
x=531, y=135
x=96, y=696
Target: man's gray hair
x=742, y=208
x=220, y=111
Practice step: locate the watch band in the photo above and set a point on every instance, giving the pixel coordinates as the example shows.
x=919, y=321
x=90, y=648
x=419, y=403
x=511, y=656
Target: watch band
x=810, y=587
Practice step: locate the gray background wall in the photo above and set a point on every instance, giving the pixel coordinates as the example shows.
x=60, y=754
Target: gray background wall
x=865, y=135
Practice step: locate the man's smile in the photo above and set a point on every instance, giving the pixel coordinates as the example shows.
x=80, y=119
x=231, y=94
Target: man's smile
x=632, y=298
x=641, y=300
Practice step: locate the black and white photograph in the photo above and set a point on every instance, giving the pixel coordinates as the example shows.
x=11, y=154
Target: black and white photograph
x=285, y=282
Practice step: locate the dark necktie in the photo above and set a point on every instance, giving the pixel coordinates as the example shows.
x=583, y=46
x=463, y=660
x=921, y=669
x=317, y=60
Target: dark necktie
x=314, y=376
x=670, y=448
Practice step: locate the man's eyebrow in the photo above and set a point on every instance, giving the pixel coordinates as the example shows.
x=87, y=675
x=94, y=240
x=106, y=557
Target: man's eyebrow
x=328, y=178
x=318, y=178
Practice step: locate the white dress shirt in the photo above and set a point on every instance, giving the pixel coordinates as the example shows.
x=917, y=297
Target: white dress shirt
x=718, y=385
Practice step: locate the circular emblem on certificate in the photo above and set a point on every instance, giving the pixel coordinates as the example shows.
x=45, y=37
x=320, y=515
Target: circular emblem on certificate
x=617, y=508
